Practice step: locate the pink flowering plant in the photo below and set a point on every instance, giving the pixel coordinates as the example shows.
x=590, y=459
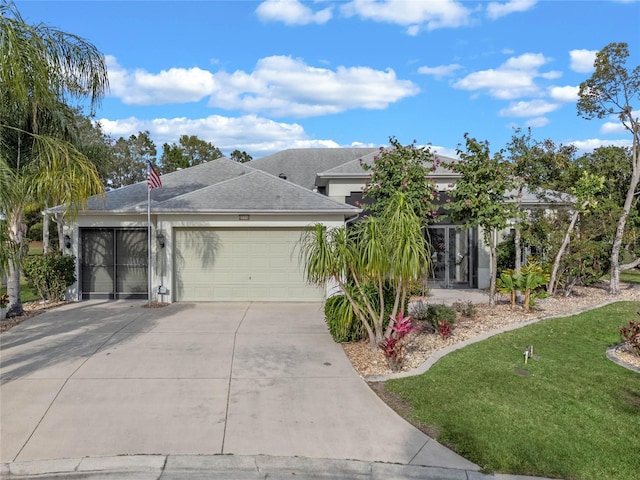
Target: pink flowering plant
x=394, y=346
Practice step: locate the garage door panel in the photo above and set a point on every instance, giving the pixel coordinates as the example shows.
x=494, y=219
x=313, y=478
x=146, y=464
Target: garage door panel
x=242, y=265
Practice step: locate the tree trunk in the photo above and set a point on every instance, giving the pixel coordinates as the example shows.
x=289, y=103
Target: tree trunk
x=16, y=236
x=517, y=242
x=13, y=289
x=551, y=286
x=45, y=233
x=614, y=284
x=59, y=219
x=493, y=266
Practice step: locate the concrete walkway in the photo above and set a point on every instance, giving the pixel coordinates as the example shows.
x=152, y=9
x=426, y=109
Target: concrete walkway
x=254, y=390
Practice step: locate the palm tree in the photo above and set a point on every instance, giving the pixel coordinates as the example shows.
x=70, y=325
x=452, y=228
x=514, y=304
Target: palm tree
x=38, y=163
x=387, y=249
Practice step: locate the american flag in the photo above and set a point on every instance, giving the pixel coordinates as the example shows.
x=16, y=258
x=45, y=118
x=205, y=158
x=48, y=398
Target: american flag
x=153, y=179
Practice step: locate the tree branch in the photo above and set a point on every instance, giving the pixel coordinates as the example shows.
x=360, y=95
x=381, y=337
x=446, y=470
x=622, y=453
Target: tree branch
x=629, y=266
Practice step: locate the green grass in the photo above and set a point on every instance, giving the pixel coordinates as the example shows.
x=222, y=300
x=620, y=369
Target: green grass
x=26, y=292
x=576, y=416
x=630, y=276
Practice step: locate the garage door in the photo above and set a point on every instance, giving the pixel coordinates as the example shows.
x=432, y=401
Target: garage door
x=239, y=265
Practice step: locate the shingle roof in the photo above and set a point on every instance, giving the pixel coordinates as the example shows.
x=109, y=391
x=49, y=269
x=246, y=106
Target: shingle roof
x=134, y=197
x=300, y=165
x=353, y=169
x=540, y=197
x=217, y=186
x=255, y=191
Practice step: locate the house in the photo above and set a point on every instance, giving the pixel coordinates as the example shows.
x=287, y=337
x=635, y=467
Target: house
x=227, y=231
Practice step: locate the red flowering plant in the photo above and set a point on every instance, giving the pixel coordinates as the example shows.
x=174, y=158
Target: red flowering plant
x=393, y=347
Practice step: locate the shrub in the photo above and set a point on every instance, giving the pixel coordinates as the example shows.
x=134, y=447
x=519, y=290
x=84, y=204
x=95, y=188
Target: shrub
x=342, y=321
x=420, y=313
x=50, y=275
x=35, y=231
x=466, y=309
x=429, y=315
x=343, y=324
x=631, y=335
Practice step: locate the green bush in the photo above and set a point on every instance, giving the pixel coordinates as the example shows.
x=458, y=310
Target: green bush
x=343, y=324
x=35, y=231
x=50, y=275
x=430, y=315
x=466, y=309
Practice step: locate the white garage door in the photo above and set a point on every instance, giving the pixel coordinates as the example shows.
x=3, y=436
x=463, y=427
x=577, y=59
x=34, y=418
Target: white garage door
x=239, y=265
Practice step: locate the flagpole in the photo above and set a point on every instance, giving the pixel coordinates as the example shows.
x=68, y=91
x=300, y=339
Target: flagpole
x=149, y=246
x=153, y=181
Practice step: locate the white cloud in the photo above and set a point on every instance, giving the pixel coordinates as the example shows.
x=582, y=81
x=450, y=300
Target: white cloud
x=414, y=14
x=616, y=126
x=514, y=78
x=528, y=62
x=291, y=12
x=591, y=144
x=501, y=84
x=286, y=86
x=278, y=85
x=612, y=127
x=496, y=10
x=255, y=135
x=440, y=71
x=582, y=60
x=564, y=94
x=536, y=122
x=533, y=108
x=444, y=151
x=176, y=85
x=551, y=75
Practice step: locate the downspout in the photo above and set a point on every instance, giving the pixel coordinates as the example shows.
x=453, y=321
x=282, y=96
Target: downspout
x=352, y=219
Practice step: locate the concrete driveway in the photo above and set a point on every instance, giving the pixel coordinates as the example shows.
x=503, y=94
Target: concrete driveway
x=114, y=378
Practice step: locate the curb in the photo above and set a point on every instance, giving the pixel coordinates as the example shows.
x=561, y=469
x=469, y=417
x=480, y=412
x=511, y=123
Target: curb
x=612, y=356
x=175, y=467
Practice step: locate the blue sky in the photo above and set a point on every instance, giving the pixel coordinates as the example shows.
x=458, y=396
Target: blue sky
x=263, y=76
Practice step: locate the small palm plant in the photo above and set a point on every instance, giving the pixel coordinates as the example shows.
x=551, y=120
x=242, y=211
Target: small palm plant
x=508, y=284
x=532, y=276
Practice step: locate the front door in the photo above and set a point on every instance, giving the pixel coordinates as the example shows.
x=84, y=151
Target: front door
x=113, y=263
x=453, y=263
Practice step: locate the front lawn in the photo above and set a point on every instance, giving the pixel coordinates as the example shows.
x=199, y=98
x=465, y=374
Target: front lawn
x=630, y=276
x=569, y=413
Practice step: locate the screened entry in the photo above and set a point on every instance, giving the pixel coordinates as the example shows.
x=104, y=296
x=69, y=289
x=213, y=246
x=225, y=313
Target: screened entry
x=453, y=263
x=113, y=263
